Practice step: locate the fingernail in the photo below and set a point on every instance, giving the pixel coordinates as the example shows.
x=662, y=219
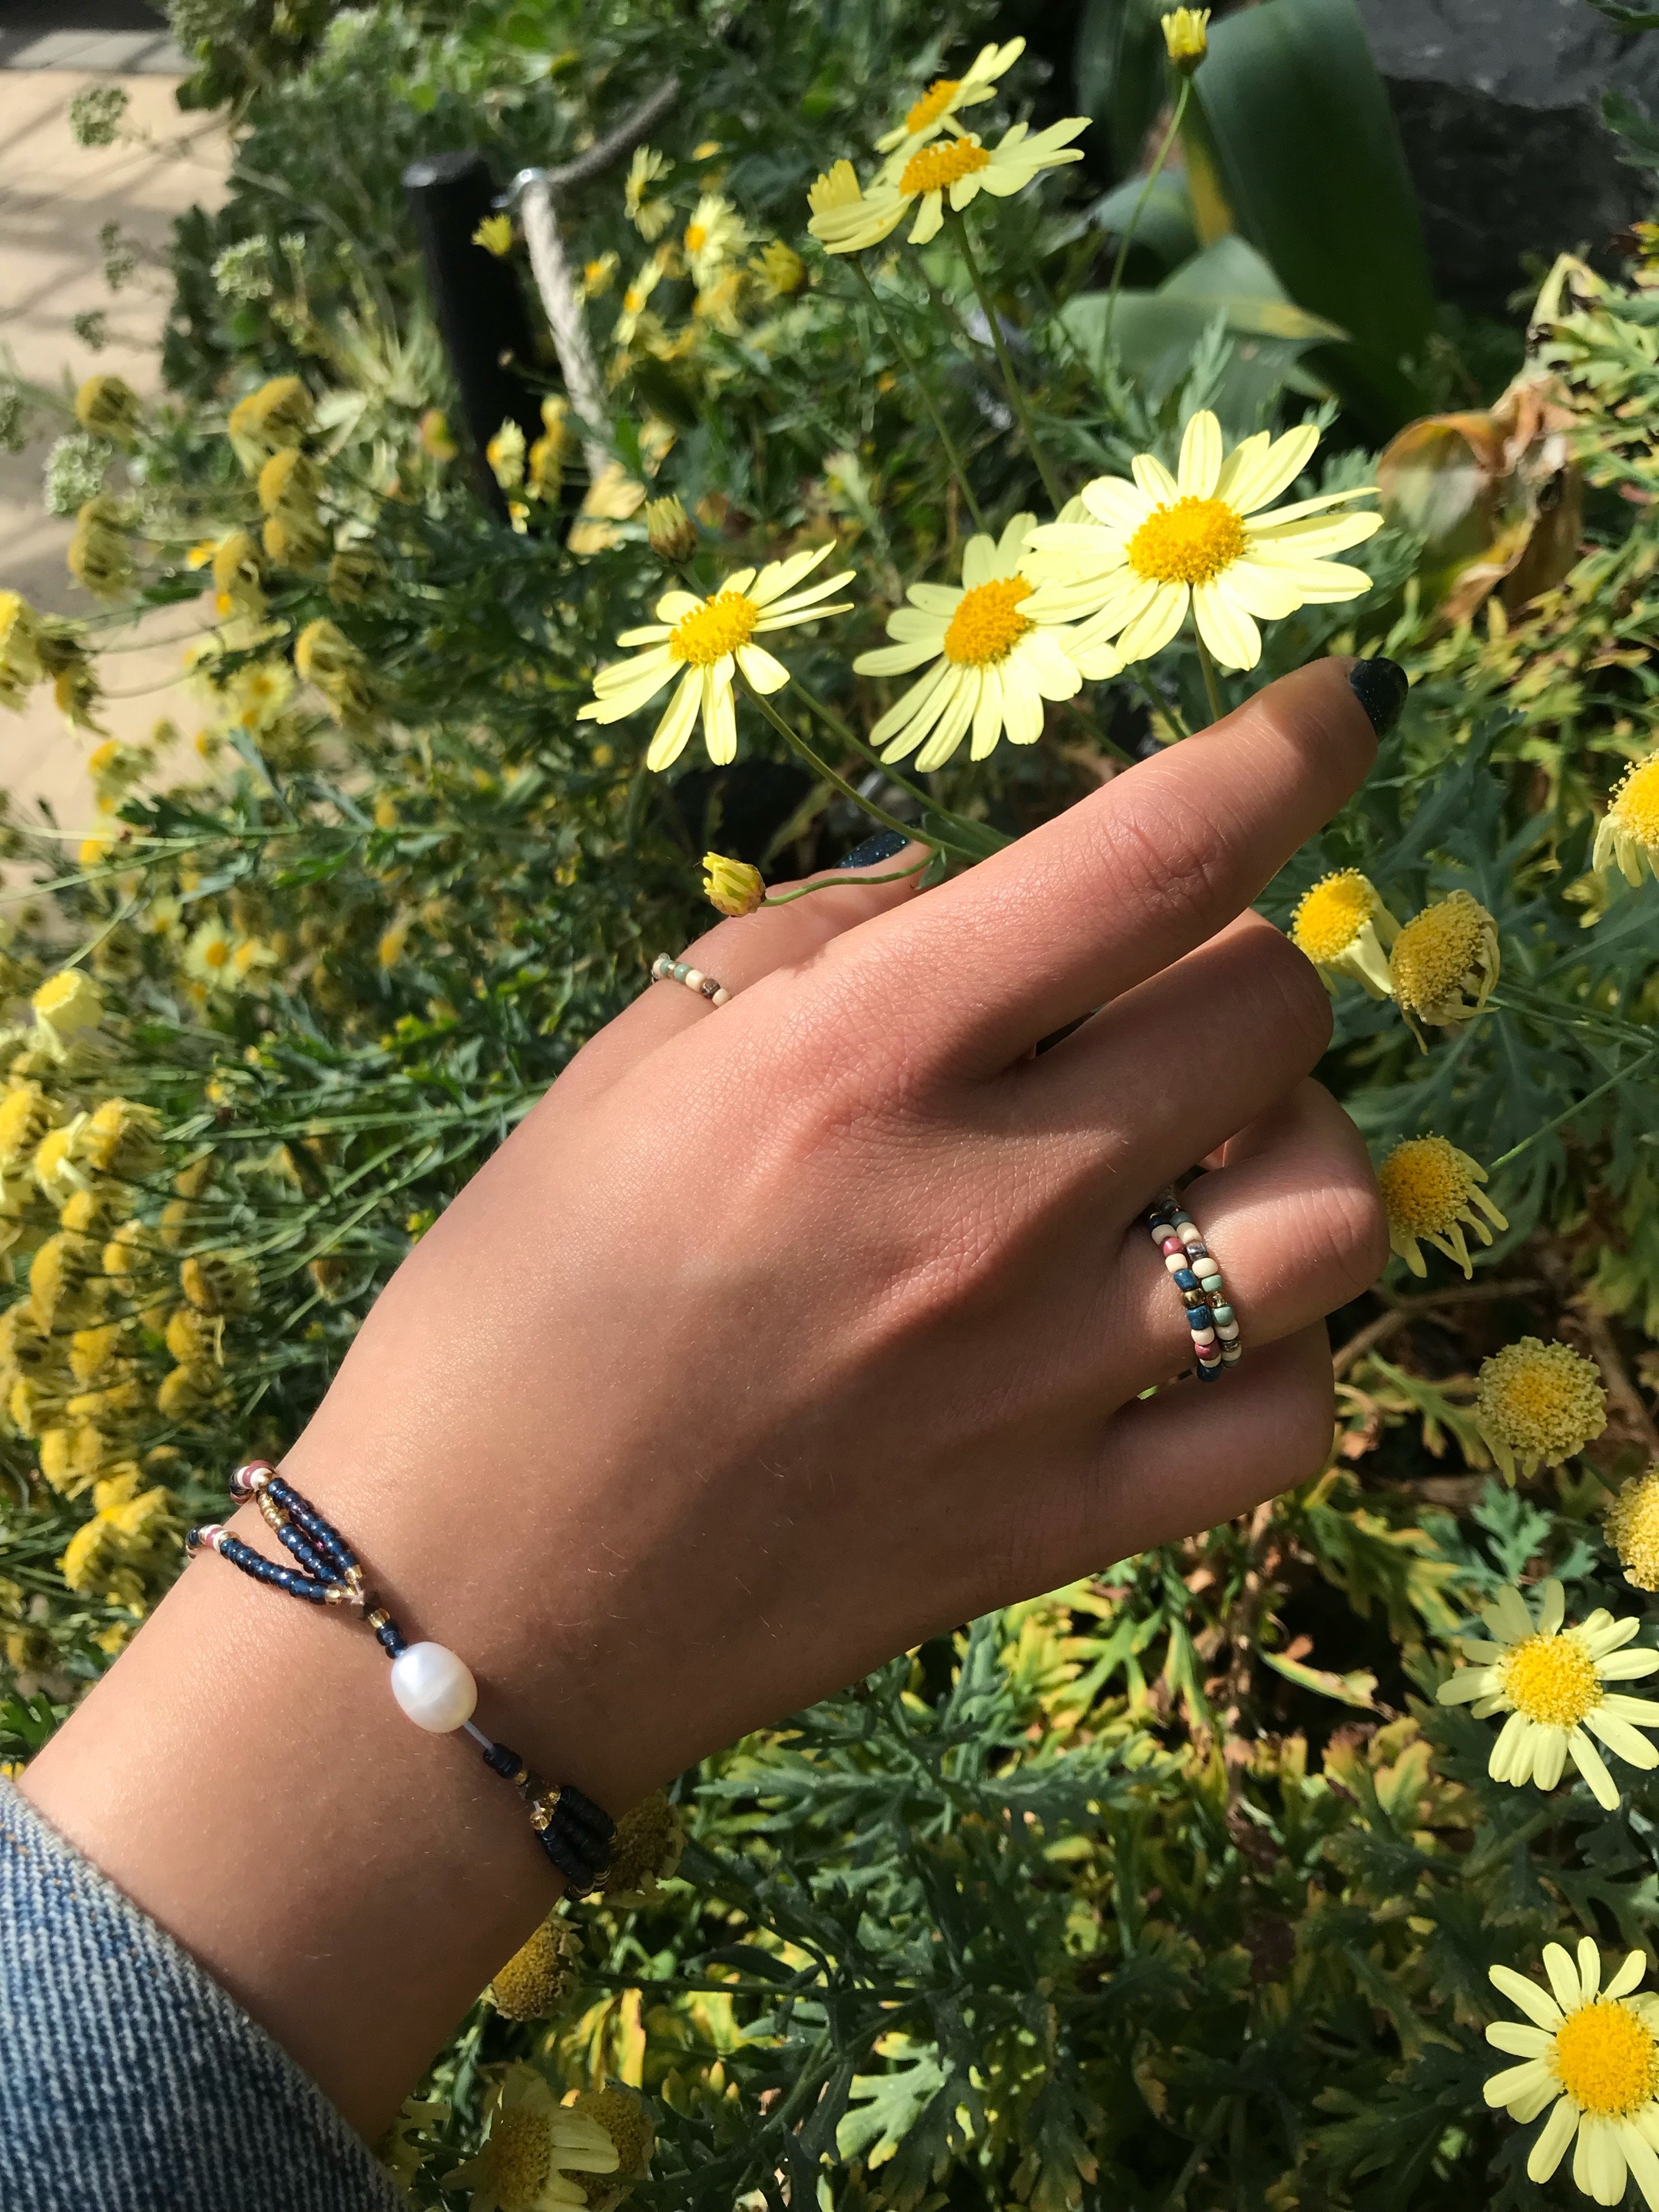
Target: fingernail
x=883, y=845
x=1380, y=686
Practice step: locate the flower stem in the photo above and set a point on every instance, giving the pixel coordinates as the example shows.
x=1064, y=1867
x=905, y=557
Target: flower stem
x=840, y=882
x=854, y=743
x=1128, y=237
x=908, y=830
x=1577, y=1108
x=1015, y=396
x=1212, y=682
x=958, y=466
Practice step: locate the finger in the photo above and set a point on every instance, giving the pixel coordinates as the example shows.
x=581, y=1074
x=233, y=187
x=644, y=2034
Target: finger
x=1185, y=1061
x=1119, y=885
x=1294, y=1222
x=738, y=951
x=1184, y=1460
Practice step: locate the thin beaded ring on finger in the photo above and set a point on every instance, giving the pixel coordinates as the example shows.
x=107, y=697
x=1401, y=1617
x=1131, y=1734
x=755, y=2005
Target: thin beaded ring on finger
x=665, y=969
x=1195, y=1273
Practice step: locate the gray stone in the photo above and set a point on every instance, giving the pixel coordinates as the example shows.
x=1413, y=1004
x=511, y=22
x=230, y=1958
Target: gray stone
x=1496, y=103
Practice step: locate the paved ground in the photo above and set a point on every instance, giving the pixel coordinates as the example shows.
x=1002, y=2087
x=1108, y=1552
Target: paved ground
x=55, y=197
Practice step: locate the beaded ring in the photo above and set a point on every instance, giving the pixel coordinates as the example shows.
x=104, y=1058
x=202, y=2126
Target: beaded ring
x=1194, y=1271
x=433, y=1685
x=665, y=969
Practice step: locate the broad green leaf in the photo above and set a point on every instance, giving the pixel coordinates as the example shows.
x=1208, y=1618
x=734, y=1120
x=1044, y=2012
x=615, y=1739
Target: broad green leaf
x=1628, y=19
x=1290, y=115
x=1118, y=68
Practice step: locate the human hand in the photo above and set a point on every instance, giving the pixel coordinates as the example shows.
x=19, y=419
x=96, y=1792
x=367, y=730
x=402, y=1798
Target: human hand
x=784, y=1335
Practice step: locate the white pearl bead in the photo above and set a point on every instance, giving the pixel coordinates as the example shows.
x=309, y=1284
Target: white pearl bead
x=434, y=1687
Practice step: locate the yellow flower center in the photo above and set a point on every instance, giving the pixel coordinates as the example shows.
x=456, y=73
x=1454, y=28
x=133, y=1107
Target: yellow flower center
x=1541, y=1400
x=1190, y=541
x=216, y=952
x=936, y=167
x=709, y=632
x=988, y=624
x=521, y=2151
x=1333, y=914
x=1636, y=807
x=1552, y=1679
x=1436, y=948
x=1633, y=1526
x=1425, y=1184
x=697, y=237
x=932, y=104
x=1606, y=2059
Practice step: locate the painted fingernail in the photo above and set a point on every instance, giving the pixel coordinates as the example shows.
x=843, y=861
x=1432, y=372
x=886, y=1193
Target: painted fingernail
x=883, y=846
x=1380, y=686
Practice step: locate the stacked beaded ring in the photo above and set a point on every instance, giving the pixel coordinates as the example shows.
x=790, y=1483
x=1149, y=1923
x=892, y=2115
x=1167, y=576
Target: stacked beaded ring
x=665, y=969
x=432, y=1686
x=1196, y=1274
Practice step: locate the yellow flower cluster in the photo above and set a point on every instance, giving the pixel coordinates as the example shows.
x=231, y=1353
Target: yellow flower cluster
x=1537, y=1404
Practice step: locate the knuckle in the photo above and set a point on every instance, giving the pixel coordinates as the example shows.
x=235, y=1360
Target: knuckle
x=1346, y=1228
x=1299, y=1000
x=1168, y=862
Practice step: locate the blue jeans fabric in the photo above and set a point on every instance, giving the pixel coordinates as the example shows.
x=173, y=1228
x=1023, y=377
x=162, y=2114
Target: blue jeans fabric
x=130, y=2082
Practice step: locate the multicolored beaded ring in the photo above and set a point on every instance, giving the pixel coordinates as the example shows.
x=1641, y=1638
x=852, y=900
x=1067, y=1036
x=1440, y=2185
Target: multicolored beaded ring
x=434, y=1687
x=1196, y=1274
x=665, y=969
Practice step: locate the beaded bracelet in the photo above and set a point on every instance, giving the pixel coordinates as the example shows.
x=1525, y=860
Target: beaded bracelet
x=665, y=969
x=433, y=1685
x=1196, y=1275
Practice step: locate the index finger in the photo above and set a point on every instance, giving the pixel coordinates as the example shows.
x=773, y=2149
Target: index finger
x=1132, y=877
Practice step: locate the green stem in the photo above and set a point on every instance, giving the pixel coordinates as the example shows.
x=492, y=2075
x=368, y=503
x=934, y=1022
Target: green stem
x=908, y=830
x=1212, y=681
x=832, y=721
x=1128, y=237
x=1015, y=396
x=958, y=465
x=841, y=883
x=1577, y=1108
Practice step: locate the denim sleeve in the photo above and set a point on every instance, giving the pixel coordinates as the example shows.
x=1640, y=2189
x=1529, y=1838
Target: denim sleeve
x=130, y=2082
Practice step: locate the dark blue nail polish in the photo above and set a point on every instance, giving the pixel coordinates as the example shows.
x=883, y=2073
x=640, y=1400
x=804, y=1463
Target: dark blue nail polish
x=1380, y=686
x=882, y=847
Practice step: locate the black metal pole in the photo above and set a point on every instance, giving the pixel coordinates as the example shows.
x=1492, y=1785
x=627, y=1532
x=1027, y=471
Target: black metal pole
x=481, y=311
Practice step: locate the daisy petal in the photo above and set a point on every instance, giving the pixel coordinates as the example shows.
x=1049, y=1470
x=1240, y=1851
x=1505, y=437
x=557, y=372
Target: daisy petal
x=916, y=622
x=979, y=561
x=1318, y=583
x=1549, y=1757
x=1537, y=2004
x=1241, y=465
x=935, y=599
x=1507, y=1615
x=1016, y=532
x=647, y=634
x=1517, y=2082
x=1563, y=1977
x=1516, y=2037
x=1642, y=1712
x=908, y=719
x=1559, y=2131
x=1269, y=594
x=1609, y=2173
x=668, y=739
x=987, y=714
x=1275, y=470
x=1632, y=1968
x=1590, y=1968
x=758, y=666
x=952, y=725
x=1625, y=1666
x=1322, y=534
x=1468, y=1683
x=1644, y=2165
x=780, y=576
x=1621, y=1738
x=1323, y=505
x=1156, y=624
x=930, y=219
x=1554, y=1611
x=1116, y=502
x=1048, y=665
x=720, y=714
x=1224, y=626
x=897, y=659
x=1023, y=713
x=674, y=606
x=1591, y=1765
x=1199, y=465
x=1155, y=480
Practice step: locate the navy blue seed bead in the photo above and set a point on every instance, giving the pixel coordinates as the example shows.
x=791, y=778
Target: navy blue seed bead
x=1184, y=1279
x=1208, y=1374
x=390, y=1637
x=310, y=1560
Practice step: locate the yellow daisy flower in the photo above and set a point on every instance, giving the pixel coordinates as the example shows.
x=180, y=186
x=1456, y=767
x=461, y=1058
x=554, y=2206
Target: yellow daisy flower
x=1444, y=964
x=1163, y=543
x=708, y=639
x=1631, y=1521
x=1537, y=1404
x=1186, y=36
x=1592, y=2053
x=716, y=233
x=937, y=109
x=68, y=1004
x=1344, y=929
x=994, y=662
x=636, y=296
x=534, y=2147
x=650, y=218
x=1551, y=1681
x=1430, y=1189
x=1629, y=830
x=846, y=222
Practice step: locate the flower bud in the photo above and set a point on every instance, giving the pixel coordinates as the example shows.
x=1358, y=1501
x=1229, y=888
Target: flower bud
x=356, y=573
x=108, y=407
x=672, y=534
x=99, y=555
x=731, y=887
x=327, y=659
x=20, y=650
x=1187, y=38
x=278, y=415
x=505, y=454
x=67, y=1004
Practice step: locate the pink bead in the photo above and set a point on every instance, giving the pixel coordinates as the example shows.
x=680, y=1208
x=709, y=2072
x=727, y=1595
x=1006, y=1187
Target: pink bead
x=252, y=1475
x=210, y=1535
x=1169, y=1245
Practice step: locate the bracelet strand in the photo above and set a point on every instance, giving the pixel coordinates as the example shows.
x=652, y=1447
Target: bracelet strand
x=432, y=1686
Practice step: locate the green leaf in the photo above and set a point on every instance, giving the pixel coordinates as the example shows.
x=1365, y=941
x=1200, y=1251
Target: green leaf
x=1118, y=69
x=976, y=837
x=1628, y=19
x=1166, y=228
x=1358, y=1688
x=1291, y=118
